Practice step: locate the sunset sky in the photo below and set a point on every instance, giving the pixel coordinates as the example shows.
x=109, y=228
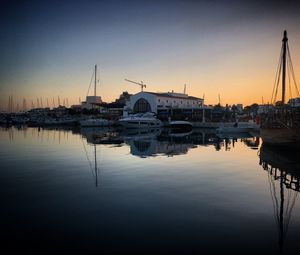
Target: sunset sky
x=231, y=48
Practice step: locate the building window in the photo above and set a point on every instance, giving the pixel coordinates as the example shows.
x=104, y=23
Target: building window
x=142, y=105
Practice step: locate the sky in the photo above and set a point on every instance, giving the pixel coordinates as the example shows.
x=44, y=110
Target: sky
x=227, y=48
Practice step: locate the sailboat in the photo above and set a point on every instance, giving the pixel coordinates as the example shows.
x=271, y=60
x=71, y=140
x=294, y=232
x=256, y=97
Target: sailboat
x=94, y=122
x=281, y=127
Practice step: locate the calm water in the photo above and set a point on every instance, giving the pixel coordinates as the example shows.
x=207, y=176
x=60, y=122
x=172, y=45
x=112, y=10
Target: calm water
x=110, y=192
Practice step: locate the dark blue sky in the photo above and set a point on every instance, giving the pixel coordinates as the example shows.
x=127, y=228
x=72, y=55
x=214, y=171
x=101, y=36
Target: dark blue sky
x=49, y=46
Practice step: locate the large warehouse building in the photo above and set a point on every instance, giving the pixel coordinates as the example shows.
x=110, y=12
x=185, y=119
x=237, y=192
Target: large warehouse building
x=163, y=104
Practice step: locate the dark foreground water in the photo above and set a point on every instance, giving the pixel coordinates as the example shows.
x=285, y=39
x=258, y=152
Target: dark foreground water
x=135, y=192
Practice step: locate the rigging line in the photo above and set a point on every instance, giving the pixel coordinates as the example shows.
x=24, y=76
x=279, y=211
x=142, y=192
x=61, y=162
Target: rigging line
x=89, y=161
x=276, y=202
x=288, y=201
x=286, y=215
x=291, y=209
x=278, y=65
x=99, y=77
x=277, y=85
x=286, y=224
x=90, y=83
x=292, y=69
x=289, y=79
x=272, y=195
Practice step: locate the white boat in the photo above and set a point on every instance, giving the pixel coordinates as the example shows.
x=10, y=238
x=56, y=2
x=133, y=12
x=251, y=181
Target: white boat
x=141, y=120
x=94, y=123
x=181, y=124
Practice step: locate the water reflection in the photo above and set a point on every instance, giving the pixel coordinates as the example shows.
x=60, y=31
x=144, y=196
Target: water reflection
x=190, y=181
x=282, y=167
x=164, y=142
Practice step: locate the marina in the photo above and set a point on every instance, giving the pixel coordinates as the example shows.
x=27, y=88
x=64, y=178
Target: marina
x=150, y=127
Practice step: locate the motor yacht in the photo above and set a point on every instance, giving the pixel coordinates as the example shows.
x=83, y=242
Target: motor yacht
x=140, y=120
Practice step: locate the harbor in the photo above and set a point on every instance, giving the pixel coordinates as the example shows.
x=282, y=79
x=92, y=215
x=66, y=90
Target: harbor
x=150, y=127
x=278, y=122
x=153, y=166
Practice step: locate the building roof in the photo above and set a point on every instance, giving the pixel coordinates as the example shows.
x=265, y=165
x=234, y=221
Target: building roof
x=173, y=96
x=112, y=105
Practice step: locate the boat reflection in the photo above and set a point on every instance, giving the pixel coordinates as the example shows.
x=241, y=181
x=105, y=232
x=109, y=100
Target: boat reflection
x=283, y=168
x=154, y=142
x=103, y=135
x=163, y=142
x=158, y=143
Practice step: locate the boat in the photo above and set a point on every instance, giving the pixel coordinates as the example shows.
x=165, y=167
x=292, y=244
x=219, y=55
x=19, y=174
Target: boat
x=140, y=120
x=181, y=125
x=59, y=121
x=19, y=119
x=234, y=130
x=281, y=127
x=138, y=133
x=236, y=135
x=94, y=123
x=237, y=128
x=281, y=136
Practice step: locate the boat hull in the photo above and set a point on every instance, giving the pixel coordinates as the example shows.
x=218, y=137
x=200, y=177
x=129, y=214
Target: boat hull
x=181, y=125
x=234, y=130
x=140, y=124
x=281, y=137
x=87, y=123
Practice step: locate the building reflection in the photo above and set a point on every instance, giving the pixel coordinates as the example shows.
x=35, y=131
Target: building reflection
x=163, y=142
x=158, y=143
x=283, y=169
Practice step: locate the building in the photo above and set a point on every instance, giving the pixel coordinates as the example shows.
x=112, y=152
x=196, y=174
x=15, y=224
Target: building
x=112, y=111
x=239, y=108
x=91, y=102
x=163, y=104
x=123, y=98
x=294, y=102
x=265, y=109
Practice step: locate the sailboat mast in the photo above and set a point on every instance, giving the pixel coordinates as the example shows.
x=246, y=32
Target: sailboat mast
x=96, y=170
x=95, y=80
x=284, y=46
x=281, y=223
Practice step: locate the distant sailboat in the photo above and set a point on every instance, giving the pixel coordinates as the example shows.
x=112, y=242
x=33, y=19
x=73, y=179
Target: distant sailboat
x=94, y=122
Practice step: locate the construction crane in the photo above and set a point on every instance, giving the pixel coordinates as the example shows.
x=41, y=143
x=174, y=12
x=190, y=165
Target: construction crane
x=141, y=84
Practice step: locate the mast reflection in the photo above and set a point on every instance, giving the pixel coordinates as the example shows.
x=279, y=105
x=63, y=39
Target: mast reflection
x=282, y=167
